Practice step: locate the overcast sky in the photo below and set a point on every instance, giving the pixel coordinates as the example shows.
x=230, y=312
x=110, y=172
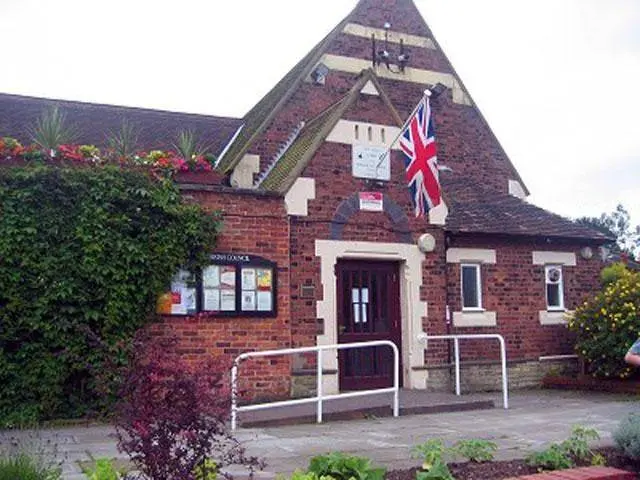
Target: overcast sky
x=558, y=80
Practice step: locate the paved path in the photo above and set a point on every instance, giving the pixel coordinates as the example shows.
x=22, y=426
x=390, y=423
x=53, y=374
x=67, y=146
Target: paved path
x=534, y=419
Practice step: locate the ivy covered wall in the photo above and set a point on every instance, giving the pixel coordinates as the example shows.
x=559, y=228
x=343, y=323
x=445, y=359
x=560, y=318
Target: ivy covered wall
x=84, y=253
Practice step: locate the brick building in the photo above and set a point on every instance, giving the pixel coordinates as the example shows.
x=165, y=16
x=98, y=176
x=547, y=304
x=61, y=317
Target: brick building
x=320, y=243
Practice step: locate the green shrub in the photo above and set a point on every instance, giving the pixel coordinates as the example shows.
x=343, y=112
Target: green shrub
x=553, y=458
x=565, y=454
x=207, y=470
x=607, y=325
x=475, y=450
x=104, y=470
x=85, y=253
x=431, y=452
x=613, y=273
x=300, y=475
x=577, y=445
x=627, y=436
x=434, y=455
x=345, y=467
x=438, y=471
x=24, y=467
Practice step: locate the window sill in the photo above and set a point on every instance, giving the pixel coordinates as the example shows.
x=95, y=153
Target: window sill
x=554, y=317
x=474, y=318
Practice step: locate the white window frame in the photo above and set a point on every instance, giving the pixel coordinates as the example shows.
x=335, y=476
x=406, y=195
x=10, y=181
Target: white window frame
x=560, y=283
x=478, y=269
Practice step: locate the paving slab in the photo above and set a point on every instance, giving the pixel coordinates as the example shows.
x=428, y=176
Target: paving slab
x=535, y=418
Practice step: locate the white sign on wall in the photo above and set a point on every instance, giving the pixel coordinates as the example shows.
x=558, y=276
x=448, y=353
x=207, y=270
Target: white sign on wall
x=371, y=162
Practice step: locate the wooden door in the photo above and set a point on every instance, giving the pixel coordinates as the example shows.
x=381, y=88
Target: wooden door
x=368, y=309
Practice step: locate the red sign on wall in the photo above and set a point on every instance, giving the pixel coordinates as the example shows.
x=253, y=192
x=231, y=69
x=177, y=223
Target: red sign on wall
x=371, y=201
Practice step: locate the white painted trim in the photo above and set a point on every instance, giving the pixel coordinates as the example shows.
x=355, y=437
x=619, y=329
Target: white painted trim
x=438, y=215
x=413, y=75
x=474, y=319
x=392, y=36
x=551, y=358
x=344, y=132
x=477, y=255
x=228, y=146
x=412, y=308
x=516, y=190
x=553, y=317
x=370, y=89
x=298, y=196
x=560, y=284
x=478, y=270
x=557, y=258
x=247, y=167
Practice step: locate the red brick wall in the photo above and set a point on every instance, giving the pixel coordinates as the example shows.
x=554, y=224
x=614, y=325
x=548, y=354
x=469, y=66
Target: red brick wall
x=515, y=289
x=256, y=225
x=465, y=141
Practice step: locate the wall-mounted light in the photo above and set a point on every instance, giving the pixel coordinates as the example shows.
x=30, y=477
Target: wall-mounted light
x=586, y=253
x=426, y=243
x=319, y=74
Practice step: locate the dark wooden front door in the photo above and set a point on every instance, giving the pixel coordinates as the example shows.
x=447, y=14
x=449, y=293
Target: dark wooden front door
x=368, y=309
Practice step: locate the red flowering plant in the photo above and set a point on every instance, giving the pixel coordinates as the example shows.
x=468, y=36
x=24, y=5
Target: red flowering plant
x=172, y=417
x=163, y=163
x=202, y=163
x=68, y=152
x=10, y=147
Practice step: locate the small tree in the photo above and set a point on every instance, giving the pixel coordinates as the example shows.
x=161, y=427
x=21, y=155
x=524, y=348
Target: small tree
x=608, y=324
x=617, y=224
x=172, y=417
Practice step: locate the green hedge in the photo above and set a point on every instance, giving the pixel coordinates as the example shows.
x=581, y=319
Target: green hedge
x=84, y=253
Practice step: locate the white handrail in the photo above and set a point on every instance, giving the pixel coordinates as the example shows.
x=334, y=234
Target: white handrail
x=456, y=350
x=320, y=397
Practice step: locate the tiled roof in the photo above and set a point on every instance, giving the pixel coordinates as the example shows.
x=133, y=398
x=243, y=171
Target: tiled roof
x=258, y=118
x=293, y=161
x=474, y=209
x=298, y=155
x=158, y=129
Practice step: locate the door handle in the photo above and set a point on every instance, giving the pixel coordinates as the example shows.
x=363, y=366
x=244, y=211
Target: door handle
x=341, y=328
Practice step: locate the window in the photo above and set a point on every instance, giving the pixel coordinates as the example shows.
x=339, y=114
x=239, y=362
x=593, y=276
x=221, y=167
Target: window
x=471, y=287
x=554, y=287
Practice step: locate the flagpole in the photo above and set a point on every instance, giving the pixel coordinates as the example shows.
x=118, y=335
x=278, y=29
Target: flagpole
x=427, y=93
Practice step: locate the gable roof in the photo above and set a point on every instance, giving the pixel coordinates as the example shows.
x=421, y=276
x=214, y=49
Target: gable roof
x=299, y=154
x=158, y=129
x=475, y=209
x=259, y=117
x=370, y=13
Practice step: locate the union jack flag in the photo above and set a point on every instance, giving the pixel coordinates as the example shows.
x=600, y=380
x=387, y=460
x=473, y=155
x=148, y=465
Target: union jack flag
x=417, y=142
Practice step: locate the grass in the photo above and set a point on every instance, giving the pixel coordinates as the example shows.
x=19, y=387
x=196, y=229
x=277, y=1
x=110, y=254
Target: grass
x=25, y=467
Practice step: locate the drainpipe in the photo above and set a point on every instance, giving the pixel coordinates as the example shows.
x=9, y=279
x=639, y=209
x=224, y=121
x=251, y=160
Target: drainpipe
x=447, y=311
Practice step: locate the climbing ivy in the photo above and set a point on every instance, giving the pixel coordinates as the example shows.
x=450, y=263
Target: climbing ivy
x=84, y=253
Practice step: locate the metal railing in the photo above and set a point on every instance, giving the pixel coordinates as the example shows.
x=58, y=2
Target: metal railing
x=320, y=397
x=456, y=343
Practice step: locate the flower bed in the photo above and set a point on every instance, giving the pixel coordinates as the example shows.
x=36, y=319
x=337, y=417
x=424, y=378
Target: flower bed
x=165, y=164
x=509, y=469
